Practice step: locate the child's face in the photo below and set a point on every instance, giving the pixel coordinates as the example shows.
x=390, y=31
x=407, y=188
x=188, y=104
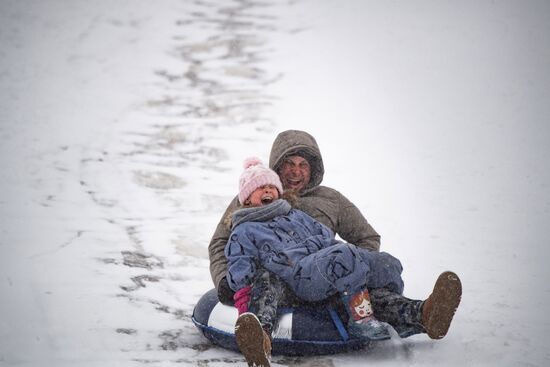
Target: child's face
x=262, y=196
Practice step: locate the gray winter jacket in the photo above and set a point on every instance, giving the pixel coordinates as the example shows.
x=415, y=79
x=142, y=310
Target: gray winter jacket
x=325, y=204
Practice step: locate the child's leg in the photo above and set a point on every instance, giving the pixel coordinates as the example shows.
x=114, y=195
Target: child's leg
x=335, y=269
x=384, y=270
x=344, y=268
x=267, y=293
x=254, y=328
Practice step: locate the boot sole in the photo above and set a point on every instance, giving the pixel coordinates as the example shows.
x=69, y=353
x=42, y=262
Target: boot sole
x=250, y=339
x=445, y=300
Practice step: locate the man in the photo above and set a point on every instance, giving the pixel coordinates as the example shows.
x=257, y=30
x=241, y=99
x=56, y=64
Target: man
x=296, y=157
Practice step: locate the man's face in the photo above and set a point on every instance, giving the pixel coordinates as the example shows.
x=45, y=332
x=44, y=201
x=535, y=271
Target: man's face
x=295, y=173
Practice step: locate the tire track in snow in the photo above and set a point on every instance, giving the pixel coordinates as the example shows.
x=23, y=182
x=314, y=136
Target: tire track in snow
x=173, y=171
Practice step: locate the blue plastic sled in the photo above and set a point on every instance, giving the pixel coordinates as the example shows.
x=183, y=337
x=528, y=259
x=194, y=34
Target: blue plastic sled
x=300, y=331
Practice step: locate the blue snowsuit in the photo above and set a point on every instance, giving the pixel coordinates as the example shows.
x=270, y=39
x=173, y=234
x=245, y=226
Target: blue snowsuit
x=304, y=253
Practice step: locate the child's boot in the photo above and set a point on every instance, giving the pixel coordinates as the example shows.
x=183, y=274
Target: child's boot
x=254, y=343
x=362, y=324
x=438, y=310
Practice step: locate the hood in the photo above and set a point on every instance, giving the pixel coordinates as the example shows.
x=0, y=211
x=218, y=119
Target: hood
x=296, y=142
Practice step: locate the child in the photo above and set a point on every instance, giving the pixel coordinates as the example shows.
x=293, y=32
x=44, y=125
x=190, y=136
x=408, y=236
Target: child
x=270, y=239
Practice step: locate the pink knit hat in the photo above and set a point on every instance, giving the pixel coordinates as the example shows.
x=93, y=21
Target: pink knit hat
x=256, y=175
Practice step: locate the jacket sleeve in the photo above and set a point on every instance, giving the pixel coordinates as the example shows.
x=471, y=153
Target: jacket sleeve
x=354, y=228
x=242, y=256
x=218, y=261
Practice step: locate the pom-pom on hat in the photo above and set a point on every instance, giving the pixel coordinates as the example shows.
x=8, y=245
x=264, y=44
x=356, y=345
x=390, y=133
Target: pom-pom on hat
x=256, y=175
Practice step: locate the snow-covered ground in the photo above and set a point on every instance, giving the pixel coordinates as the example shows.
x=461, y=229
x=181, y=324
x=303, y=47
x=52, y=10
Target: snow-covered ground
x=123, y=126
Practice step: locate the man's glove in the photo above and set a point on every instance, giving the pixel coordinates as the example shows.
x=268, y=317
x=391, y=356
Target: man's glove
x=241, y=298
x=225, y=293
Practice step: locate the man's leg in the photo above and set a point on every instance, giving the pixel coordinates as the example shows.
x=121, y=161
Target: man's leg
x=404, y=314
x=432, y=316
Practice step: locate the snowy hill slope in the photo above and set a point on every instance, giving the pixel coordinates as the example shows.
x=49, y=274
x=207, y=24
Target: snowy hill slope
x=123, y=127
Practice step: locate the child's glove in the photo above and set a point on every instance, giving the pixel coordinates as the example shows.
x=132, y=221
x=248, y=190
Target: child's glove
x=241, y=298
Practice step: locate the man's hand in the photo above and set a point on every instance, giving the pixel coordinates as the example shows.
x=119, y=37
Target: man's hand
x=225, y=293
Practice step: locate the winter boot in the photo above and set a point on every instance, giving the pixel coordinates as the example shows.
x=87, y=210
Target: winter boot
x=438, y=310
x=362, y=324
x=254, y=343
